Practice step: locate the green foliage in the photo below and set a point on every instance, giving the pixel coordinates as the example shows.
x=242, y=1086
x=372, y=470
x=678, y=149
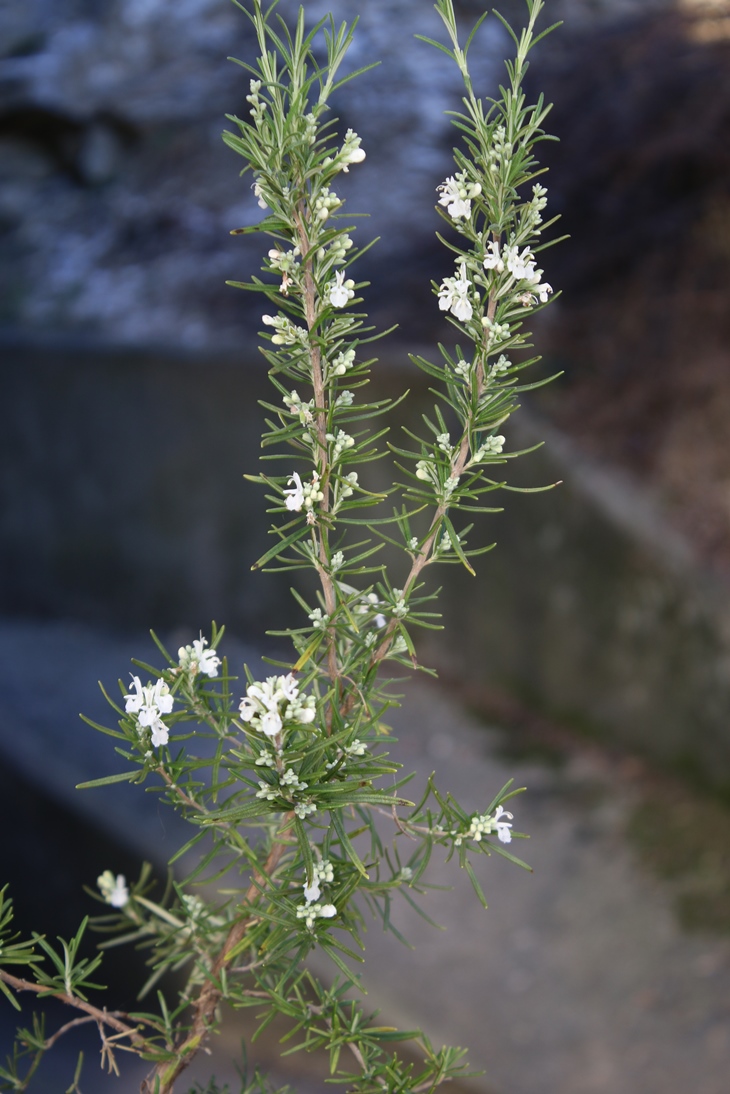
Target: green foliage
x=287, y=789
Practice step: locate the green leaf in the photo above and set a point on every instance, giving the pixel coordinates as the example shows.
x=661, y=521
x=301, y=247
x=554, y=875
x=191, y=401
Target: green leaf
x=298, y=534
x=123, y=777
x=348, y=849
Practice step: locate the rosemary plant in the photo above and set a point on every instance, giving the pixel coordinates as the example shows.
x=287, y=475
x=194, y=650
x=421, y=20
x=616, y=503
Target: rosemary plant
x=288, y=781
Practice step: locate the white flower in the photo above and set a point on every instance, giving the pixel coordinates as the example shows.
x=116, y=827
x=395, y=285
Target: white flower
x=321, y=872
x=456, y=195
x=289, y=687
x=343, y=361
x=457, y=206
x=484, y=826
x=303, y=809
x=351, y=150
x=303, y=495
x=258, y=193
x=543, y=291
x=312, y=892
x=287, y=333
x=521, y=266
x=133, y=703
x=491, y=447
x=160, y=733
x=148, y=704
x=498, y=332
x=453, y=295
x=291, y=781
x=503, y=826
x=502, y=364
x=114, y=890
x=493, y=259
x=271, y=723
x=341, y=291
x=295, y=499
x=247, y=708
x=162, y=698
x=310, y=912
x=268, y=793
x=272, y=703
x=196, y=658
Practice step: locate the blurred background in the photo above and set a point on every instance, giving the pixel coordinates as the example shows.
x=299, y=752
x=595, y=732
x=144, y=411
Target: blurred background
x=591, y=660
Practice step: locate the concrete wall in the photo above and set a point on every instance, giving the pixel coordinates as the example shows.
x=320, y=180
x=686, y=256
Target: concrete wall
x=122, y=502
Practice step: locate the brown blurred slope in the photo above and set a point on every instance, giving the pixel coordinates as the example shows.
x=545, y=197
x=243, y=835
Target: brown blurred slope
x=642, y=179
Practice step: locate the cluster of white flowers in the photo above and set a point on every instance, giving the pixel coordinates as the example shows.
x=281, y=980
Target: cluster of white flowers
x=531, y=216
x=294, y=405
x=453, y=295
x=484, y=825
x=310, y=912
x=340, y=291
x=258, y=108
x=285, y=263
x=457, y=194
x=322, y=874
x=319, y=619
x=287, y=333
x=337, y=249
x=303, y=495
x=498, y=332
x=271, y=704
x=113, y=889
x=501, y=365
x=337, y=561
x=521, y=265
x=400, y=608
x=343, y=362
x=309, y=125
x=258, y=193
x=426, y=472
x=445, y=544
x=344, y=488
x=357, y=748
x=345, y=398
x=351, y=151
x=340, y=442
x=463, y=368
x=499, y=150
x=194, y=907
x=491, y=447
x=148, y=704
x=443, y=440
x=325, y=202
x=266, y=758
x=289, y=784
x=196, y=658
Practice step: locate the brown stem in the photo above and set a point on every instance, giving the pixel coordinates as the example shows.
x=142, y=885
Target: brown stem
x=188, y=1046
x=309, y=296
x=107, y=1018
x=424, y=556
